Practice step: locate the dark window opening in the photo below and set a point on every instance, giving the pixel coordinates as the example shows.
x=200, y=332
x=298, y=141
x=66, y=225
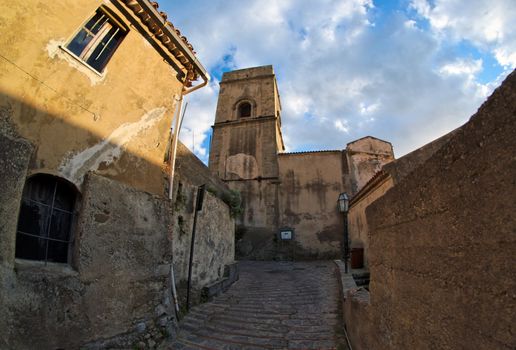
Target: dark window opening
x=244, y=110
x=97, y=40
x=46, y=219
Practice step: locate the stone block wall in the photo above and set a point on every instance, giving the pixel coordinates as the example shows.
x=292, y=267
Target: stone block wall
x=115, y=290
x=214, y=241
x=215, y=234
x=443, y=241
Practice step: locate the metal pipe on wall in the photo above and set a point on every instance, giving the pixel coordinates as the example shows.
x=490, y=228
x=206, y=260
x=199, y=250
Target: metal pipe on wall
x=173, y=147
x=198, y=207
x=177, y=128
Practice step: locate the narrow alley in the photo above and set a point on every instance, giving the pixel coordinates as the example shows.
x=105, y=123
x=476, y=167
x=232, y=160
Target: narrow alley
x=274, y=305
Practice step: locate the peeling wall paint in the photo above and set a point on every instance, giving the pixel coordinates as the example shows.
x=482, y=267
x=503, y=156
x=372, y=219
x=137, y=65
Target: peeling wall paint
x=55, y=49
x=108, y=150
x=242, y=165
x=52, y=96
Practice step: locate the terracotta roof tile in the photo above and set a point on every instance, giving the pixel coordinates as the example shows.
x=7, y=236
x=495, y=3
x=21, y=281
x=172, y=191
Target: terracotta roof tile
x=157, y=29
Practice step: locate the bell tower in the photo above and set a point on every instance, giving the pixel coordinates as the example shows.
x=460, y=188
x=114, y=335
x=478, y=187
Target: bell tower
x=246, y=141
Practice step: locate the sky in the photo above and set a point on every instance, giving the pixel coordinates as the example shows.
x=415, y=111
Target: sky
x=405, y=71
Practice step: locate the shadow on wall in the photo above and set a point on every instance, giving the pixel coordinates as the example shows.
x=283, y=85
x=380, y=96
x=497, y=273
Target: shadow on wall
x=115, y=288
x=66, y=149
x=442, y=244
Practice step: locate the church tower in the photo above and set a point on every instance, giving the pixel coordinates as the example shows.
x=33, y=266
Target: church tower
x=246, y=141
x=288, y=199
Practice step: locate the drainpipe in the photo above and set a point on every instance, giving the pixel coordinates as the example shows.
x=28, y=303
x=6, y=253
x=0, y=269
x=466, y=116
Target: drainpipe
x=178, y=122
x=173, y=146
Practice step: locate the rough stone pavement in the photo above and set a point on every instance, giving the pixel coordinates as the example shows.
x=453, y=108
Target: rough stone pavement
x=274, y=305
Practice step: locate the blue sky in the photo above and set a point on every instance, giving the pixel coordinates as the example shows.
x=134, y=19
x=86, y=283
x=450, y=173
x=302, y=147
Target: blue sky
x=406, y=71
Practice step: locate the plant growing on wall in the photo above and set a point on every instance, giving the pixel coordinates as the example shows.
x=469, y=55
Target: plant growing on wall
x=181, y=225
x=180, y=202
x=234, y=200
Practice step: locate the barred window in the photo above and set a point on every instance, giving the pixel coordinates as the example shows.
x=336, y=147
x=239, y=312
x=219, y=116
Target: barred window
x=46, y=219
x=98, y=39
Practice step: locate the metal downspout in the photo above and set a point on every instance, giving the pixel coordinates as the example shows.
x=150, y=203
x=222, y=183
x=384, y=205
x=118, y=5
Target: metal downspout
x=177, y=127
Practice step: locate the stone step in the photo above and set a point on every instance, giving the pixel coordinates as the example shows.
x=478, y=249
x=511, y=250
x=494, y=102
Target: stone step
x=209, y=343
x=246, y=339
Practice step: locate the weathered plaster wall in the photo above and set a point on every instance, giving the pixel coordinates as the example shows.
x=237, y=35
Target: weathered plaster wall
x=116, y=124
x=310, y=185
x=118, y=282
x=357, y=220
x=214, y=240
x=117, y=288
x=244, y=153
x=257, y=85
x=401, y=167
x=246, y=150
x=442, y=242
x=215, y=232
x=15, y=155
x=283, y=190
x=366, y=156
x=390, y=174
x=259, y=221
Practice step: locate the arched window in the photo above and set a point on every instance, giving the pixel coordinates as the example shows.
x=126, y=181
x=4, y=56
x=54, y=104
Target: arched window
x=46, y=219
x=244, y=110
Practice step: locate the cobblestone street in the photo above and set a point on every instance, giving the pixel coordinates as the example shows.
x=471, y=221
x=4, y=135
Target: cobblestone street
x=274, y=305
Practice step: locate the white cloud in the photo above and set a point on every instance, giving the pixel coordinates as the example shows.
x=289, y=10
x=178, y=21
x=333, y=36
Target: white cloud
x=368, y=109
x=198, y=118
x=462, y=66
x=341, y=77
x=341, y=125
x=487, y=24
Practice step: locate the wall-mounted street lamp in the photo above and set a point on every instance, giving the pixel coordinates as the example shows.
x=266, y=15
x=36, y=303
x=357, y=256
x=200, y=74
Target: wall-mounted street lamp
x=343, y=205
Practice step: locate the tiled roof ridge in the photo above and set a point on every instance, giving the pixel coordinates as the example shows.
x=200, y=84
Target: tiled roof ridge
x=156, y=29
x=165, y=16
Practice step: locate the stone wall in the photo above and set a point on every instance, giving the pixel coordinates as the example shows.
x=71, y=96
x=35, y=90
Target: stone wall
x=390, y=174
x=310, y=185
x=215, y=233
x=214, y=240
x=15, y=155
x=116, y=289
x=366, y=156
x=442, y=242
x=304, y=198
x=282, y=190
x=191, y=169
x=357, y=220
x=401, y=167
